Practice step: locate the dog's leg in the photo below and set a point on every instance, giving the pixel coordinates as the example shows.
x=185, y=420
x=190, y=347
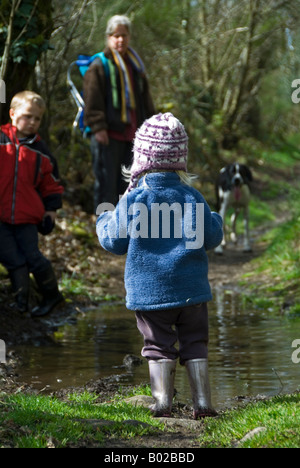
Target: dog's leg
x=233, y=235
x=247, y=245
x=219, y=250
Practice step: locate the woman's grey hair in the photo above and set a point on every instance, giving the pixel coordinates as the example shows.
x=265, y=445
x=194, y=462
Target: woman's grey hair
x=116, y=21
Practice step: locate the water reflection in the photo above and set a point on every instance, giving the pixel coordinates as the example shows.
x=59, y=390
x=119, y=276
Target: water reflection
x=249, y=352
x=250, y=349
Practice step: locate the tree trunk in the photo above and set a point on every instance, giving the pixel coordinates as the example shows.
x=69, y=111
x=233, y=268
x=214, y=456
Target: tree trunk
x=254, y=9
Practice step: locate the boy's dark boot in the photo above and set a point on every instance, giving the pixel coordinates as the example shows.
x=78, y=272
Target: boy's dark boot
x=20, y=284
x=197, y=370
x=162, y=377
x=47, y=284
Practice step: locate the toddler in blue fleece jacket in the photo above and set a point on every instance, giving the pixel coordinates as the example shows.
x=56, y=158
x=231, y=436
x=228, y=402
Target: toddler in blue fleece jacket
x=165, y=227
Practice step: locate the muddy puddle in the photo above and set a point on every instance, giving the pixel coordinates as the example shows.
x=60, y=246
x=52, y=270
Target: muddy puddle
x=250, y=352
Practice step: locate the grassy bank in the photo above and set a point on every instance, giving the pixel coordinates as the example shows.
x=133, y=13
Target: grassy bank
x=34, y=421
x=31, y=421
x=273, y=423
x=274, y=276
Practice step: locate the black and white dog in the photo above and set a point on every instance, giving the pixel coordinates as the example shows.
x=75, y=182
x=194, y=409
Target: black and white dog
x=232, y=190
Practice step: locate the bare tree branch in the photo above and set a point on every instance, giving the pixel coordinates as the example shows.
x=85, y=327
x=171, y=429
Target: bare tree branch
x=77, y=16
x=28, y=20
x=5, y=58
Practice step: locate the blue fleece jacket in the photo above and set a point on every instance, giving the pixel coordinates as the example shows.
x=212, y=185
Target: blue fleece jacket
x=165, y=227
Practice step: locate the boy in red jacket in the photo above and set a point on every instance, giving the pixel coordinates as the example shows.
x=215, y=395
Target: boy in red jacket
x=30, y=194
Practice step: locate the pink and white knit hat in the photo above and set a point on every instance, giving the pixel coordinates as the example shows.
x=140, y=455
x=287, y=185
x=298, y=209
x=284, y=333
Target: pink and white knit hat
x=160, y=143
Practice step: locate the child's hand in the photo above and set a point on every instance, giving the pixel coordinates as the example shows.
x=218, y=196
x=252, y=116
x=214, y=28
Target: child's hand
x=48, y=223
x=52, y=215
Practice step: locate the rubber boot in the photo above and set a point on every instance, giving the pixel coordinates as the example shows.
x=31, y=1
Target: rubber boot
x=20, y=284
x=197, y=370
x=47, y=284
x=162, y=377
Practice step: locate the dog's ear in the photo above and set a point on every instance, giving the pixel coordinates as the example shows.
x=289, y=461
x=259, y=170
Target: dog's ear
x=224, y=179
x=246, y=173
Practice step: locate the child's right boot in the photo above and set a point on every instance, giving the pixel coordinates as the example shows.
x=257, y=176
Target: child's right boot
x=48, y=287
x=162, y=378
x=20, y=284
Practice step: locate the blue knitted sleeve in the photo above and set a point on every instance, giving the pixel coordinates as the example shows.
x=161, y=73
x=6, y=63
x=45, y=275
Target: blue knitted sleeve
x=112, y=234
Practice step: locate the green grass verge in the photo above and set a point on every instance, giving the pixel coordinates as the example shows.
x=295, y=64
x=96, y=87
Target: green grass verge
x=35, y=421
x=276, y=273
x=278, y=420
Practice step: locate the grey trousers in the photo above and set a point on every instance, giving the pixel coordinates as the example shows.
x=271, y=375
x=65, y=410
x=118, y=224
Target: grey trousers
x=162, y=329
x=107, y=163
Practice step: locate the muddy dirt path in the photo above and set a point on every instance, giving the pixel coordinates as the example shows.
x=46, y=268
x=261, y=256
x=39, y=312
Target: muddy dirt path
x=227, y=269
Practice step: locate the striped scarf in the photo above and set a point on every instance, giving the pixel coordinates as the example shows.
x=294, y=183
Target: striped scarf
x=127, y=92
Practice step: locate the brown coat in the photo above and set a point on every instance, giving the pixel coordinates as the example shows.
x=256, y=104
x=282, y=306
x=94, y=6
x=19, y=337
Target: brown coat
x=99, y=113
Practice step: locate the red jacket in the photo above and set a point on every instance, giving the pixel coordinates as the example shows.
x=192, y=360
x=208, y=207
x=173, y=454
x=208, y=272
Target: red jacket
x=29, y=183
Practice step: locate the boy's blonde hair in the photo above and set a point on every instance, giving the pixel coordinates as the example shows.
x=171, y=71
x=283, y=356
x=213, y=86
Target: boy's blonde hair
x=27, y=97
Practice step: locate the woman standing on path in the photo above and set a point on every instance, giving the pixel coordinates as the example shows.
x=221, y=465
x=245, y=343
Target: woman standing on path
x=117, y=101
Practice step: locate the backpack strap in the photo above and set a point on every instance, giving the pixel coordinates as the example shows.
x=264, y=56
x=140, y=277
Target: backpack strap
x=85, y=61
x=104, y=60
x=110, y=73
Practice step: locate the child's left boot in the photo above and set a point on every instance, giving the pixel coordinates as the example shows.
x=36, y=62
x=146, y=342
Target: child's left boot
x=162, y=378
x=197, y=370
x=48, y=287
